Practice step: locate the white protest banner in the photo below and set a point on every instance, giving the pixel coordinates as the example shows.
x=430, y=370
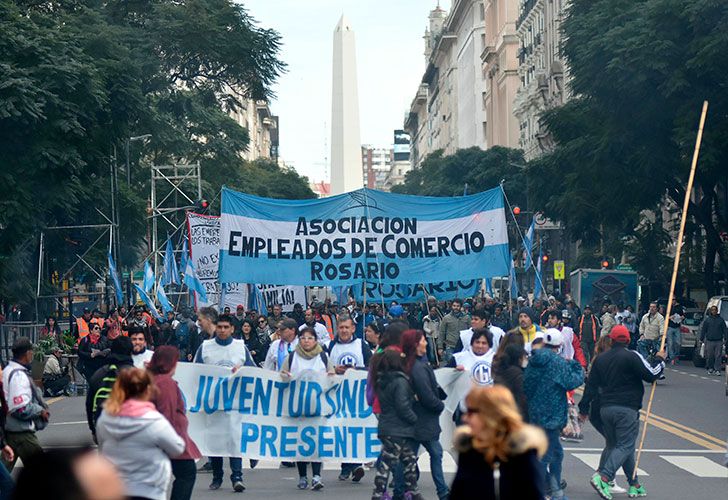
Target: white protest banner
x=260, y=414
x=204, y=237
x=285, y=295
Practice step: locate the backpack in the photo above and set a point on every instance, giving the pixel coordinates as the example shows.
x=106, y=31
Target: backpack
x=104, y=391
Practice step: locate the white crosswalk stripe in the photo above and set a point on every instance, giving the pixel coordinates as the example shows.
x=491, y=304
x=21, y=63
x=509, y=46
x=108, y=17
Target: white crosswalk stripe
x=698, y=466
x=592, y=460
x=449, y=465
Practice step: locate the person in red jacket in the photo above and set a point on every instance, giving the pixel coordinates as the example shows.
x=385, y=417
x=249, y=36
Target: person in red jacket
x=170, y=404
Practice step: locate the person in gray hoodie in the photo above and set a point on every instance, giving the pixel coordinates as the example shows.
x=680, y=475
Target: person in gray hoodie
x=136, y=438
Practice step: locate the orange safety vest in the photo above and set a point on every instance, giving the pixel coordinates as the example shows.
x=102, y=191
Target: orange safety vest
x=594, y=326
x=328, y=324
x=99, y=321
x=82, y=327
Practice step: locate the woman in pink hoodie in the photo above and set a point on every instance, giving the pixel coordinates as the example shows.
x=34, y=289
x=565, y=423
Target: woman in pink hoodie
x=171, y=404
x=136, y=438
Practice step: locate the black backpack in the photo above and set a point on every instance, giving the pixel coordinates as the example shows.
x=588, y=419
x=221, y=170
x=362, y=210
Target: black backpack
x=104, y=391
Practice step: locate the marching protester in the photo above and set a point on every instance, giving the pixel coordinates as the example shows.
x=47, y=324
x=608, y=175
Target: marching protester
x=500, y=318
x=508, y=366
x=27, y=412
x=526, y=327
x=608, y=320
x=264, y=331
x=308, y=355
x=480, y=318
x=587, y=328
x=397, y=421
x=283, y=346
x=136, y=438
x=617, y=376
x=431, y=327
x=714, y=333
x=347, y=352
x=276, y=315
x=651, y=327
x=478, y=359
x=112, y=324
x=140, y=354
x=224, y=350
x=170, y=403
x=498, y=453
x=55, y=377
x=310, y=321
x=546, y=380
x=571, y=347
x=450, y=327
x=92, y=352
x=674, y=337
x=207, y=318
x=82, y=325
x=373, y=334
x=249, y=335
x=428, y=405
x=102, y=382
x=185, y=334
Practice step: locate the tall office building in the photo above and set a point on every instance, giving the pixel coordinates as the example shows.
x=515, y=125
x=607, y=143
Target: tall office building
x=346, y=160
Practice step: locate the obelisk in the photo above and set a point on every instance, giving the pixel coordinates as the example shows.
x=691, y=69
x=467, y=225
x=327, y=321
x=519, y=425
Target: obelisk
x=346, y=166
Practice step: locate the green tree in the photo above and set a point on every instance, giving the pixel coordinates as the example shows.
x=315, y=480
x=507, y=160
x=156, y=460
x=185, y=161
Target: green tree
x=640, y=72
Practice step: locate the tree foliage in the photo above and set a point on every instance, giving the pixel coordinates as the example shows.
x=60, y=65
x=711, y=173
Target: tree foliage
x=80, y=77
x=640, y=71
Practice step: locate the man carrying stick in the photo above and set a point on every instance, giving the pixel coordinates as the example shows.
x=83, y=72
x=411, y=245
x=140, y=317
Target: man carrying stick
x=617, y=376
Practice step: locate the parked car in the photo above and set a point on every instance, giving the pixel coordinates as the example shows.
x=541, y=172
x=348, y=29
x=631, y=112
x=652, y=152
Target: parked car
x=690, y=330
x=721, y=302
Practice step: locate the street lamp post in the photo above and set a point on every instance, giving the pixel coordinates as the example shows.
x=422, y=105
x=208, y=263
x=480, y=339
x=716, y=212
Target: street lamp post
x=129, y=140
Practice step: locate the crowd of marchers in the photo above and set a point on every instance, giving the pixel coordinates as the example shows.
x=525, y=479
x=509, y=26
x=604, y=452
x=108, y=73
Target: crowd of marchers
x=524, y=360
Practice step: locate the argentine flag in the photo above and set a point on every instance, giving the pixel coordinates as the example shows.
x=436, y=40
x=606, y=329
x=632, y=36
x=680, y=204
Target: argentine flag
x=193, y=281
x=115, y=278
x=148, y=283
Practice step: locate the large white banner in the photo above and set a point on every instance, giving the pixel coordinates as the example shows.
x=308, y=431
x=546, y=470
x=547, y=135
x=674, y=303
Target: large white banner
x=285, y=295
x=260, y=414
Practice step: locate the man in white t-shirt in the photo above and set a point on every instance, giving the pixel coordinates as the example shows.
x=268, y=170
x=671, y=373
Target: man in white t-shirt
x=321, y=332
x=480, y=318
x=140, y=354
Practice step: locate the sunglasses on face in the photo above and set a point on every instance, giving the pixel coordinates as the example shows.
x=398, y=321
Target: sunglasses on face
x=261, y=321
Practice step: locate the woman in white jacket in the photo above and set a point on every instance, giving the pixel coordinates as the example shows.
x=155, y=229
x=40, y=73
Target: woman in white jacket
x=137, y=439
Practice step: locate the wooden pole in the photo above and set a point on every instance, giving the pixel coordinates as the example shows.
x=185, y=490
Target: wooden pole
x=675, y=266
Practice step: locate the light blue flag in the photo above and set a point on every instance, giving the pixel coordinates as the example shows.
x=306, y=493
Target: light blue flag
x=148, y=283
x=148, y=301
x=171, y=273
x=528, y=244
x=489, y=286
x=185, y=255
x=163, y=300
x=193, y=281
x=115, y=278
x=257, y=301
x=538, y=285
x=512, y=282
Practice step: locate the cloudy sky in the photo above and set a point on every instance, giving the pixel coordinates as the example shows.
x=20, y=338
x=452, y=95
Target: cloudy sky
x=390, y=62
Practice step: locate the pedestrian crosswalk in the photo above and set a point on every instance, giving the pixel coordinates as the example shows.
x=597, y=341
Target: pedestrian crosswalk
x=698, y=466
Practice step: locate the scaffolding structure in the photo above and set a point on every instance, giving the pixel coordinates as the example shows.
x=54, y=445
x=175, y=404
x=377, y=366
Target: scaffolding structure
x=174, y=190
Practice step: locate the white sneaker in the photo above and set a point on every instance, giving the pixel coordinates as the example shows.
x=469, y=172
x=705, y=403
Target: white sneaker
x=615, y=488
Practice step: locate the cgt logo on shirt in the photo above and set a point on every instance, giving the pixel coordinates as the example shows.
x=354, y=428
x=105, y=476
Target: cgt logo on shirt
x=481, y=373
x=347, y=359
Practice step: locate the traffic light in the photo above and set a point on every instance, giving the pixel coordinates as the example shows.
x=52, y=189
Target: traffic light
x=606, y=264
x=545, y=258
x=202, y=205
x=516, y=210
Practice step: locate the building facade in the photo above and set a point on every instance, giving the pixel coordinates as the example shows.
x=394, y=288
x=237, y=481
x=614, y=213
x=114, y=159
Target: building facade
x=262, y=126
x=376, y=164
x=542, y=71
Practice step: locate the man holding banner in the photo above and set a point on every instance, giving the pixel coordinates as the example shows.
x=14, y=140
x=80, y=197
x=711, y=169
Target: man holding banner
x=224, y=350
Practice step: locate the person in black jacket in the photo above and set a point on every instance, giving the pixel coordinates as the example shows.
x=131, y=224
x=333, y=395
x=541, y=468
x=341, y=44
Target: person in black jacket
x=101, y=383
x=252, y=342
x=617, y=376
x=428, y=405
x=508, y=372
x=397, y=422
x=498, y=453
x=714, y=333
x=92, y=352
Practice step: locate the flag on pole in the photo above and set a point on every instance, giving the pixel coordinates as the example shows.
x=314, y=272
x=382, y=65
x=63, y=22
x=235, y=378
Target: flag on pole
x=538, y=285
x=512, y=281
x=149, y=302
x=163, y=300
x=185, y=255
x=489, y=286
x=148, y=283
x=193, y=281
x=528, y=244
x=115, y=278
x=171, y=273
x=257, y=301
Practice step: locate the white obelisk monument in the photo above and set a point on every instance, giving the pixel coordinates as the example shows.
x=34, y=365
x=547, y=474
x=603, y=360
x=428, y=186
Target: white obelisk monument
x=346, y=166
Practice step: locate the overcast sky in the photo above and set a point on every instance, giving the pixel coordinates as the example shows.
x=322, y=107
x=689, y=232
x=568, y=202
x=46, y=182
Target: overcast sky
x=390, y=63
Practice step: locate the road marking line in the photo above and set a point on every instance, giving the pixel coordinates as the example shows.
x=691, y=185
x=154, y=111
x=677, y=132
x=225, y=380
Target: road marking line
x=54, y=400
x=698, y=466
x=678, y=425
x=592, y=460
x=688, y=437
x=69, y=423
x=701, y=452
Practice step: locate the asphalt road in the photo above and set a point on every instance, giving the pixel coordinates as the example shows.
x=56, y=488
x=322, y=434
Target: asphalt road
x=684, y=449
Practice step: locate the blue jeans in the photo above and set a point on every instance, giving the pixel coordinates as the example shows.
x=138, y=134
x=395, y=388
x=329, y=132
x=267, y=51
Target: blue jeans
x=645, y=346
x=674, y=343
x=434, y=448
x=6, y=483
x=552, y=462
x=236, y=465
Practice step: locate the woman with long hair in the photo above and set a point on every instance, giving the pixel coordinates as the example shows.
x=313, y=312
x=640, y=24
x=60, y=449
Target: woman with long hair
x=397, y=421
x=308, y=356
x=390, y=339
x=508, y=372
x=170, y=403
x=499, y=453
x=428, y=405
x=51, y=330
x=252, y=342
x=137, y=439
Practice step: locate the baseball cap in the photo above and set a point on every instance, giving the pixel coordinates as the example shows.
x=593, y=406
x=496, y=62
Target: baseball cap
x=620, y=334
x=553, y=337
x=395, y=311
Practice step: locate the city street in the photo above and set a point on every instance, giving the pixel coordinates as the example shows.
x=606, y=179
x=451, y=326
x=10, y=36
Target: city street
x=684, y=450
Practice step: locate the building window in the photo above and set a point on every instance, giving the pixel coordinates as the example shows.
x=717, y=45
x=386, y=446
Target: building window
x=481, y=9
